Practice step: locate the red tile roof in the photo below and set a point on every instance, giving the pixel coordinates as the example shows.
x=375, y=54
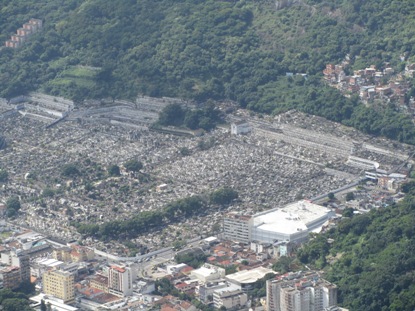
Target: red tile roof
x=186, y=270
x=119, y=269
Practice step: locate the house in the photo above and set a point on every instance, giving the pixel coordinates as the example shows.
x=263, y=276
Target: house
x=100, y=282
x=22, y=34
x=186, y=286
x=230, y=297
x=240, y=127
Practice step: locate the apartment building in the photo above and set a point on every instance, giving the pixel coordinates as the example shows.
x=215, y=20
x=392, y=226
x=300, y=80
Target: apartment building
x=10, y=277
x=230, y=297
x=238, y=227
x=100, y=282
x=17, y=259
x=23, y=34
x=120, y=281
x=59, y=284
x=300, y=292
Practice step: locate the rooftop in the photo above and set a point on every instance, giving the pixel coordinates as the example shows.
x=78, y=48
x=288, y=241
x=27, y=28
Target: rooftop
x=291, y=218
x=204, y=271
x=50, y=262
x=9, y=269
x=119, y=269
x=57, y=304
x=249, y=276
x=211, y=239
x=230, y=288
x=100, y=279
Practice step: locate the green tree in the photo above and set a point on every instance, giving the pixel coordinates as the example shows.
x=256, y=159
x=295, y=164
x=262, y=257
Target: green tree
x=70, y=170
x=48, y=192
x=16, y=304
x=43, y=305
x=283, y=264
x=223, y=196
x=192, y=258
x=172, y=114
x=13, y=203
x=348, y=212
x=331, y=196
x=3, y=143
x=231, y=269
x=114, y=170
x=184, y=151
x=4, y=175
x=408, y=186
x=216, y=227
x=349, y=196
x=133, y=165
x=11, y=213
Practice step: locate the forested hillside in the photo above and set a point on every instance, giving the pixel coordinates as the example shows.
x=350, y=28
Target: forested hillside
x=371, y=258
x=238, y=50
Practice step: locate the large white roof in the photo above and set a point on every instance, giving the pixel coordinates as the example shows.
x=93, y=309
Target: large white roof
x=203, y=271
x=211, y=239
x=290, y=218
x=249, y=276
x=50, y=262
x=57, y=304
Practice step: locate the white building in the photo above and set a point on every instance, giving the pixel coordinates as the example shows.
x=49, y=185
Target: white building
x=120, y=281
x=238, y=227
x=19, y=259
x=240, y=127
x=362, y=163
x=144, y=287
x=206, y=290
x=291, y=223
x=55, y=303
x=41, y=265
x=174, y=269
x=246, y=279
x=300, y=292
x=231, y=297
x=208, y=273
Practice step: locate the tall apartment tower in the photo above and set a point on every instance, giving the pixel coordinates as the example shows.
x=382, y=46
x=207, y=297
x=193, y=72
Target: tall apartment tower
x=22, y=261
x=120, y=281
x=237, y=227
x=60, y=284
x=303, y=292
x=18, y=259
x=10, y=277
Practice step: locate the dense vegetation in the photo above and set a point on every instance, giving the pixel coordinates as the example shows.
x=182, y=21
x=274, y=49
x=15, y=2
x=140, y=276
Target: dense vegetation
x=191, y=258
x=133, y=165
x=372, y=258
x=14, y=301
x=165, y=287
x=146, y=221
x=4, y=175
x=13, y=206
x=205, y=118
x=3, y=143
x=223, y=196
x=237, y=50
